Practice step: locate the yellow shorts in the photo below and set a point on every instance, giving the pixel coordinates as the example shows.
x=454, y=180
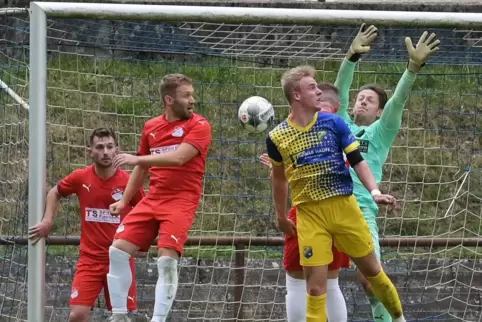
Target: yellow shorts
x=337, y=220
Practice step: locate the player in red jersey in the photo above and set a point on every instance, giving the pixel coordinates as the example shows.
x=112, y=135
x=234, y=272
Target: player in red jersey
x=295, y=280
x=96, y=186
x=173, y=149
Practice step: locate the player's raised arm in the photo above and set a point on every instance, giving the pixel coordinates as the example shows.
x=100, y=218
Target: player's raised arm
x=344, y=79
x=350, y=147
x=66, y=187
x=197, y=141
x=280, y=188
x=136, y=179
x=391, y=118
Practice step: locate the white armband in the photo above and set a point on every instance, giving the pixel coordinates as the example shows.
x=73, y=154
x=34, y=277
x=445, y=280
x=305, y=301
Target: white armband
x=375, y=192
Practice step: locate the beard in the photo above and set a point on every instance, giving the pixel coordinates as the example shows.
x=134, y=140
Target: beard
x=103, y=164
x=181, y=111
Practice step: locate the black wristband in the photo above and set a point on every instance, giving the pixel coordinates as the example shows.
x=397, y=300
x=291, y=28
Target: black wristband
x=355, y=57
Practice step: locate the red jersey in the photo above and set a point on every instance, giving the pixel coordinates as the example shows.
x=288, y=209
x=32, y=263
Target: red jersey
x=98, y=226
x=160, y=136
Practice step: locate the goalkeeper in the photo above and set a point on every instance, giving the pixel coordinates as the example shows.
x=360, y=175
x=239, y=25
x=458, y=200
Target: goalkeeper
x=375, y=124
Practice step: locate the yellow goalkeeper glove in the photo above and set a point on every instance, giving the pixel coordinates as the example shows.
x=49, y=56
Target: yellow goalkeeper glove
x=424, y=49
x=362, y=41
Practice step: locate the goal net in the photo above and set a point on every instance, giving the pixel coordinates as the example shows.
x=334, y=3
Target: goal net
x=105, y=73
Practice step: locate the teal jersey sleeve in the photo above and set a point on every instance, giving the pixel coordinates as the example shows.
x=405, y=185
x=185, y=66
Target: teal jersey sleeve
x=343, y=82
x=389, y=124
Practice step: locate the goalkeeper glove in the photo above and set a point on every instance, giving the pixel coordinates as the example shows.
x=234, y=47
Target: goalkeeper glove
x=419, y=54
x=361, y=43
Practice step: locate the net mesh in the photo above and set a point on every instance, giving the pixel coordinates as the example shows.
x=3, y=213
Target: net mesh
x=106, y=73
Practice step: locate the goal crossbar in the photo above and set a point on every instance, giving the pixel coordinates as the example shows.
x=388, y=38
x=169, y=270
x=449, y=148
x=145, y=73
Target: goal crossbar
x=256, y=15
x=39, y=11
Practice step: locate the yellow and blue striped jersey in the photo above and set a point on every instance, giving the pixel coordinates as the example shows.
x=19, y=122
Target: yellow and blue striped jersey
x=313, y=156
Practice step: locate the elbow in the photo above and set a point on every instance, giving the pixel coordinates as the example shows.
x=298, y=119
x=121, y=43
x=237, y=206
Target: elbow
x=54, y=193
x=179, y=161
x=279, y=182
x=142, y=169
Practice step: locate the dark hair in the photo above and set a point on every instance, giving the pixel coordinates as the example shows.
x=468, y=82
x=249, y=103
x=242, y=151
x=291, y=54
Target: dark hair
x=382, y=95
x=329, y=87
x=102, y=132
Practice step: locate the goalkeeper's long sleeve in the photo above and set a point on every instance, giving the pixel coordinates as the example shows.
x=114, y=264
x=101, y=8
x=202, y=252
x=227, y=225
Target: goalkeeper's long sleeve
x=343, y=82
x=392, y=115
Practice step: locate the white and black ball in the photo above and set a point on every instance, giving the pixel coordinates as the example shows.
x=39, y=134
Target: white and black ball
x=256, y=114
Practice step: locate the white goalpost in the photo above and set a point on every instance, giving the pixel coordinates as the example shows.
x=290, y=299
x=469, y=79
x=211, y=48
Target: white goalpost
x=243, y=50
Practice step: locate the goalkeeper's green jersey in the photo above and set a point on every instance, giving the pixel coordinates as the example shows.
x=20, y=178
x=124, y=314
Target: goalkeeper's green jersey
x=376, y=139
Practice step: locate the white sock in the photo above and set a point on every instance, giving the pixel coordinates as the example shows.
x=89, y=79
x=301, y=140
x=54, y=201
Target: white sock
x=335, y=302
x=166, y=287
x=295, y=299
x=119, y=279
x=399, y=319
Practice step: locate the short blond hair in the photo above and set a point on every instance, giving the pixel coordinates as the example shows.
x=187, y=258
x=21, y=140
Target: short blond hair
x=171, y=82
x=291, y=79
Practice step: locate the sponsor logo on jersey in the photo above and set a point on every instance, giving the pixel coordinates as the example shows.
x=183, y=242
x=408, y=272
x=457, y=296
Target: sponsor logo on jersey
x=120, y=229
x=74, y=293
x=178, y=132
x=363, y=146
x=117, y=194
x=100, y=216
x=164, y=149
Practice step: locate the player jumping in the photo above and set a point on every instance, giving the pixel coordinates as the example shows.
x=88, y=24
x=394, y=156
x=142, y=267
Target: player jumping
x=376, y=123
x=97, y=187
x=173, y=149
x=295, y=280
x=307, y=150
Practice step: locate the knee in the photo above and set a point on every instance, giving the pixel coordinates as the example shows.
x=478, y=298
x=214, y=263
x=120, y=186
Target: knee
x=76, y=316
x=118, y=255
x=316, y=289
x=316, y=279
x=168, y=252
x=124, y=246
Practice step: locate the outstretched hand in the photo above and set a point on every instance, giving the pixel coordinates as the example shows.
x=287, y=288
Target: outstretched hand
x=41, y=230
x=426, y=47
x=364, y=38
x=287, y=226
x=388, y=200
x=264, y=159
x=124, y=159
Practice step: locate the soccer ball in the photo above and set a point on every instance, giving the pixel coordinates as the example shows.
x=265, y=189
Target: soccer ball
x=256, y=114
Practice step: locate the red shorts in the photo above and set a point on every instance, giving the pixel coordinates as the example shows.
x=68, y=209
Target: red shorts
x=291, y=256
x=171, y=219
x=89, y=279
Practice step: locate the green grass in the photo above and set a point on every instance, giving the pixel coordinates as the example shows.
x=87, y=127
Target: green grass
x=439, y=135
